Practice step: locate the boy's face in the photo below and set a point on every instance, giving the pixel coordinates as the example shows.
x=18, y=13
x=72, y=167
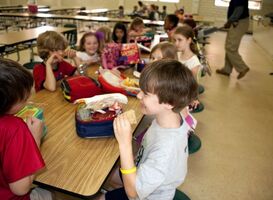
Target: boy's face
x=149, y=103
x=91, y=45
x=57, y=56
x=139, y=28
x=181, y=42
x=59, y=52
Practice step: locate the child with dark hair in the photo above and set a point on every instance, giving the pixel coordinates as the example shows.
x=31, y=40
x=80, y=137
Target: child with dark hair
x=170, y=23
x=167, y=87
x=51, y=48
x=20, y=158
x=119, y=34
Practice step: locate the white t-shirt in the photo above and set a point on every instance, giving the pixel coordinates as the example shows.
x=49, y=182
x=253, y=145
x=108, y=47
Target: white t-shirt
x=85, y=57
x=190, y=63
x=162, y=162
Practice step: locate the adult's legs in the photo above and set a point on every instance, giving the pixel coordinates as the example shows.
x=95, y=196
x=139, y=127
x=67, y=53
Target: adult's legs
x=233, y=40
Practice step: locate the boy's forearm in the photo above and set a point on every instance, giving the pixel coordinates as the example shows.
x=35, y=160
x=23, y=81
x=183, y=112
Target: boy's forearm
x=77, y=61
x=50, y=81
x=127, y=162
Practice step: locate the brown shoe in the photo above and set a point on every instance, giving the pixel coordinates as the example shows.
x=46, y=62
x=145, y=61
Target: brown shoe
x=221, y=71
x=243, y=73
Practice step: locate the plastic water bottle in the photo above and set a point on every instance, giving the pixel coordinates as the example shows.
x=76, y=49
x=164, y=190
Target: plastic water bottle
x=81, y=69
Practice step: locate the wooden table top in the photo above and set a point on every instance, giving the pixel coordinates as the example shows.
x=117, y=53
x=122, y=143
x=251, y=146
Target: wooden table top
x=74, y=164
x=26, y=35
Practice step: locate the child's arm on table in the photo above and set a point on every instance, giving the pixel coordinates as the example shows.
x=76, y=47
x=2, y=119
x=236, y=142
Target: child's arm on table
x=123, y=135
x=22, y=186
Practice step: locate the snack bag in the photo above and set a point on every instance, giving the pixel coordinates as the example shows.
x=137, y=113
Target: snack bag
x=130, y=54
x=32, y=111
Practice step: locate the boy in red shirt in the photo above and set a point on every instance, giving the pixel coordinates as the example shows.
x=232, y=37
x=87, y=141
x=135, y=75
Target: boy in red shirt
x=51, y=48
x=20, y=157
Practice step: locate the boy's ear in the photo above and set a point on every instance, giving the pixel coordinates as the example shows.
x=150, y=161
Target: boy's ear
x=168, y=106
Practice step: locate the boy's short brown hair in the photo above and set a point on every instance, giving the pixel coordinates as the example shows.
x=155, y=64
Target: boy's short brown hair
x=15, y=84
x=50, y=41
x=136, y=22
x=171, y=81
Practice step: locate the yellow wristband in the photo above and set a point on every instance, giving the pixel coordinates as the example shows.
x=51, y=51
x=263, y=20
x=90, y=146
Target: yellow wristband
x=128, y=171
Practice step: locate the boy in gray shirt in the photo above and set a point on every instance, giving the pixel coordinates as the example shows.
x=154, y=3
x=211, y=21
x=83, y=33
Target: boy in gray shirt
x=167, y=87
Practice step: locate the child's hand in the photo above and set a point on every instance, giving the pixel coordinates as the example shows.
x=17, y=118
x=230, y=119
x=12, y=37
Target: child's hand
x=122, y=129
x=36, y=128
x=54, y=58
x=70, y=53
x=194, y=105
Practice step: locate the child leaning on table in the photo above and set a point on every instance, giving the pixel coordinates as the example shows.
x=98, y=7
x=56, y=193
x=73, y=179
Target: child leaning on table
x=51, y=48
x=167, y=87
x=20, y=158
x=136, y=29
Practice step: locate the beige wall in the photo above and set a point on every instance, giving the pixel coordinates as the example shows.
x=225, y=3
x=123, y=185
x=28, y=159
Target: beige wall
x=204, y=8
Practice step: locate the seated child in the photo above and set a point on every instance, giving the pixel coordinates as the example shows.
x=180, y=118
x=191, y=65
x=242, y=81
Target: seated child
x=105, y=35
x=167, y=87
x=170, y=23
x=136, y=29
x=51, y=48
x=89, y=50
x=163, y=50
x=180, y=14
x=119, y=34
x=184, y=41
x=20, y=157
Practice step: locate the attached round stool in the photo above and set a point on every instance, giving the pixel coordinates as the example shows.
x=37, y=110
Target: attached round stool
x=30, y=65
x=199, y=108
x=194, y=143
x=201, y=89
x=180, y=196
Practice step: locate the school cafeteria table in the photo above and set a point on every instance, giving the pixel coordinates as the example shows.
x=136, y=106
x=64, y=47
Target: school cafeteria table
x=74, y=165
x=27, y=35
x=13, y=39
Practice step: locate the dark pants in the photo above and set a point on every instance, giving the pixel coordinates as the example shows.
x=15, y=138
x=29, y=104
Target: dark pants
x=117, y=194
